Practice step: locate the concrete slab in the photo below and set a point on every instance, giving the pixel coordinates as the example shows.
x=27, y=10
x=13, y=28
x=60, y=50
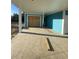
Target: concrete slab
x=29, y=46
x=42, y=31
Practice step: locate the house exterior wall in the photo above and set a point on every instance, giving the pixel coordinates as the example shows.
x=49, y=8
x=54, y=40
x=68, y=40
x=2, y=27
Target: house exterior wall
x=54, y=21
x=58, y=22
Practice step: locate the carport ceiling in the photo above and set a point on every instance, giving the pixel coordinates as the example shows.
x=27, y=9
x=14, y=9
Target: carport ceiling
x=40, y=6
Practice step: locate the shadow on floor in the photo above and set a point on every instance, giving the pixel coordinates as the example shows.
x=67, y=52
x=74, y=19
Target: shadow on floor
x=50, y=45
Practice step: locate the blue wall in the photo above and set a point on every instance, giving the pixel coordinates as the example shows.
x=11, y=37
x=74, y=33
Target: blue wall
x=54, y=21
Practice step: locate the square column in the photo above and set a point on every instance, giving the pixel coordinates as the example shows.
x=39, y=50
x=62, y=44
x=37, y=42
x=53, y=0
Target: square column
x=43, y=19
x=40, y=21
x=63, y=22
x=25, y=20
x=20, y=21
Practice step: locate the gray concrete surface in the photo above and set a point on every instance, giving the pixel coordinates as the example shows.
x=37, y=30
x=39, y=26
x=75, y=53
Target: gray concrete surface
x=29, y=46
x=45, y=31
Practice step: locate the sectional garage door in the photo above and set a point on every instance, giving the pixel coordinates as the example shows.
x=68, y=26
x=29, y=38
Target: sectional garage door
x=34, y=21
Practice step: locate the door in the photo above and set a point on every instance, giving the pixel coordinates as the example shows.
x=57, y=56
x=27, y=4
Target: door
x=34, y=21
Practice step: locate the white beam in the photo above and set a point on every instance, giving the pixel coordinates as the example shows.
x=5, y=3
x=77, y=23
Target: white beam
x=20, y=21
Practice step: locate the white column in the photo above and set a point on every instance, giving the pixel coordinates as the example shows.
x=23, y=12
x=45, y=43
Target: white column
x=25, y=20
x=20, y=22
x=40, y=21
x=63, y=14
x=43, y=19
x=63, y=22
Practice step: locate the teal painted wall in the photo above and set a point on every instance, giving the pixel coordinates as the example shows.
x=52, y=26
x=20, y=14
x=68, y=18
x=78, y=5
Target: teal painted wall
x=57, y=25
x=54, y=21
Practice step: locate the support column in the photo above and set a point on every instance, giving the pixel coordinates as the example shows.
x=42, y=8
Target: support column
x=20, y=22
x=43, y=19
x=40, y=21
x=63, y=22
x=25, y=20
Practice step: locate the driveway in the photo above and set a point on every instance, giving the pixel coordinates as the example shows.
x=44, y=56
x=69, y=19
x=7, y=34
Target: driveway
x=33, y=46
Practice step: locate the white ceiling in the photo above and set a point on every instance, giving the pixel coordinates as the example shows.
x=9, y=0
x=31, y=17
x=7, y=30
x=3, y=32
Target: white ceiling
x=40, y=6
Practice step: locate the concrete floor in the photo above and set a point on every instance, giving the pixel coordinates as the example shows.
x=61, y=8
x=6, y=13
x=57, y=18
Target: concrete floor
x=30, y=46
x=43, y=31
